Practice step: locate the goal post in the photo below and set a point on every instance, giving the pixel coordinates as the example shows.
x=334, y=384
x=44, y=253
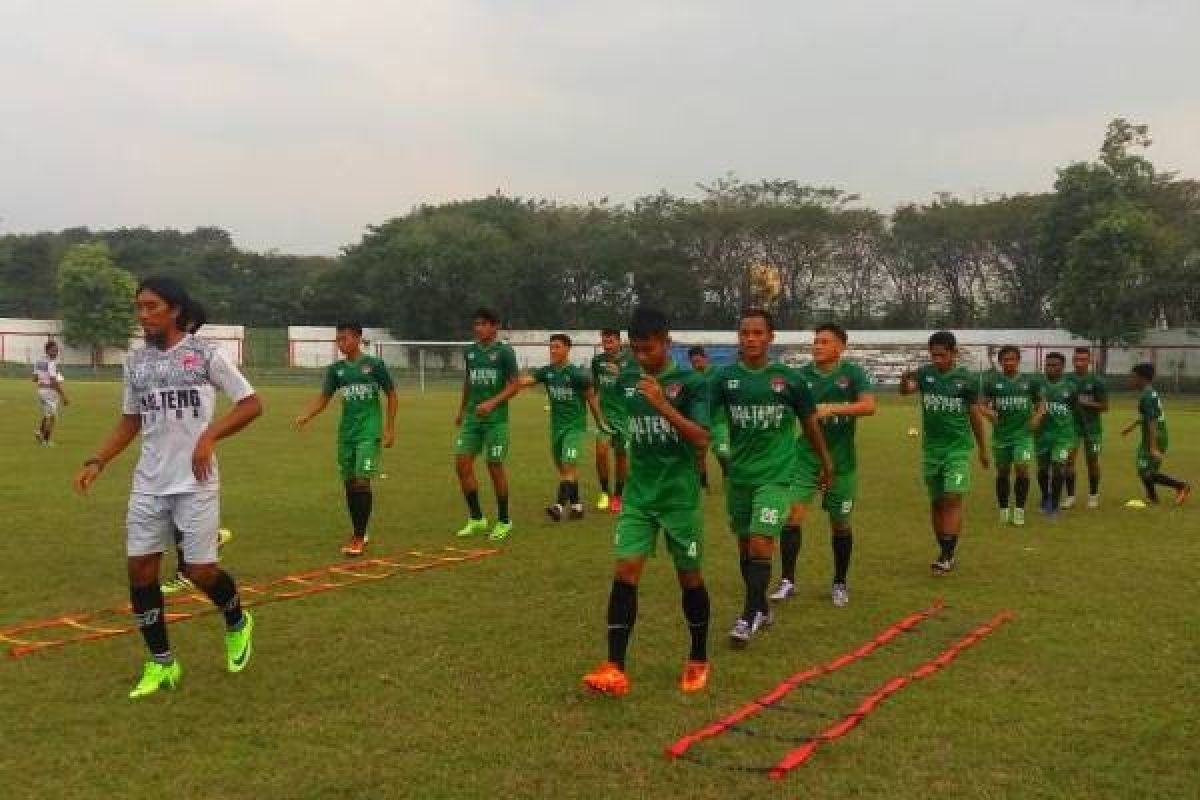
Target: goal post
x=426, y=365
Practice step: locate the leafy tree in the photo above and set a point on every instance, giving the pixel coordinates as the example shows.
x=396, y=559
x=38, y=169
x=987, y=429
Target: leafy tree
x=96, y=299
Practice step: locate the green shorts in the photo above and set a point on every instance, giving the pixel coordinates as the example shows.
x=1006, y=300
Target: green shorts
x=619, y=438
x=1146, y=462
x=1093, y=442
x=358, y=458
x=565, y=446
x=760, y=510
x=1056, y=449
x=1013, y=450
x=719, y=440
x=683, y=530
x=947, y=473
x=489, y=438
x=838, y=501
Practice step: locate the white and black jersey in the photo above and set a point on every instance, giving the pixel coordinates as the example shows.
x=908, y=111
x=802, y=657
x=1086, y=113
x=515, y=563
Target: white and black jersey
x=174, y=392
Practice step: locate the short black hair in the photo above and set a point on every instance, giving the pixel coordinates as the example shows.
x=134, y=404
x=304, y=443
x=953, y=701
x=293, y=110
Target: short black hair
x=486, y=314
x=835, y=329
x=610, y=331
x=696, y=350
x=646, y=323
x=561, y=337
x=1009, y=348
x=1144, y=370
x=1087, y=350
x=1056, y=356
x=944, y=339
x=50, y=344
x=354, y=327
x=761, y=313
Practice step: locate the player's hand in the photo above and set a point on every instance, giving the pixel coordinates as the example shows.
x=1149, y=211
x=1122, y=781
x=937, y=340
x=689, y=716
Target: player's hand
x=202, y=458
x=86, y=477
x=825, y=477
x=301, y=421
x=1156, y=454
x=66, y=402
x=458, y=419
x=651, y=389
x=389, y=438
x=484, y=408
x=985, y=460
x=826, y=410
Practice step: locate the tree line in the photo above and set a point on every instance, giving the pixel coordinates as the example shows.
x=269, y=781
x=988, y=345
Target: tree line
x=1110, y=251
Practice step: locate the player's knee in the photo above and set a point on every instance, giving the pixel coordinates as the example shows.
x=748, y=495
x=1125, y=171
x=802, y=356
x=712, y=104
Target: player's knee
x=203, y=575
x=690, y=578
x=143, y=570
x=359, y=485
x=628, y=570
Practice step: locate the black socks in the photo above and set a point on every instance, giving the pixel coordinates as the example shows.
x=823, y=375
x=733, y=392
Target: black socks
x=223, y=594
x=150, y=614
x=843, y=546
x=472, y=498
x=622, y=613
x=696, y=612
x=359, y=502
x=789, y=550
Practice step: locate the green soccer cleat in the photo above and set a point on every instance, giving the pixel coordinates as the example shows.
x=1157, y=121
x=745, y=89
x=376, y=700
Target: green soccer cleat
x=156, y=676
x=239, y=645
x=1018, y=517
x=1005, y=516
x=224, y=536
x=473, y=528
x=501, y=531
x=179, y=583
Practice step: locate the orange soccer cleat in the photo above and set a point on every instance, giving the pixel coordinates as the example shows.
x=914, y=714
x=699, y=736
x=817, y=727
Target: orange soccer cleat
x=607, y=679
x=355, y=546
x=695, y=677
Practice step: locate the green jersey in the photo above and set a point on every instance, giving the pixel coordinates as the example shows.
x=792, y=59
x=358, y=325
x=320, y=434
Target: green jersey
x=845, y=383
x=1150, y=410
x=662, y=464
x=1060, y=397
x=566, y=388
x=717, y=415
x=606, y=370
x=360, y=382
x=1014, y=400
x=946, y=400
x=762, y=405
x=489, y=369
x=1090, y=387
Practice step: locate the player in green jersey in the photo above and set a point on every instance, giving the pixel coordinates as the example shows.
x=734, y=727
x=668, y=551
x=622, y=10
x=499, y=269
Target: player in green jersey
x=1152, y=421
x=607, y=367
x=1057, y=436
x=570, y=392
x=763, y=399
x=667, y=410
x=1013, y=400
x=360, y=379
x=843, y=392
x=719, y=433
x=1092, y=401
x=951, y=416
x=482, y=422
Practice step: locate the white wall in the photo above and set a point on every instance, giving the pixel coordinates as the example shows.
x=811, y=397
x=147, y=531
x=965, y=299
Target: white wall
x=24, y=340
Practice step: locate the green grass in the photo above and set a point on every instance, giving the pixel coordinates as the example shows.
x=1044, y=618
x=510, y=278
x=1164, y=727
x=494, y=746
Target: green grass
x=465, y=682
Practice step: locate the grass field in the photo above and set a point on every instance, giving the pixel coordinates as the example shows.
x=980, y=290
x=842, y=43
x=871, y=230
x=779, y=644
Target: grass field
x=465, y=682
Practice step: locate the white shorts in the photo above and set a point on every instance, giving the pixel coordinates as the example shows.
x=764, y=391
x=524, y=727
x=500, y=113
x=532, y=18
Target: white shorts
x=49, y=400
x=152, y=520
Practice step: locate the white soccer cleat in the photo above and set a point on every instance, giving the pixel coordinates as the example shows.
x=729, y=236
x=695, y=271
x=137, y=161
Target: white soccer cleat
x=840, y=595
x=1068, y=503
x=1093, y=501
x=786, y=589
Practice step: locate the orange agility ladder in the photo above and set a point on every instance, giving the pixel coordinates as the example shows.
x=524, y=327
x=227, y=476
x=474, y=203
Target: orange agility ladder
x=27, y=638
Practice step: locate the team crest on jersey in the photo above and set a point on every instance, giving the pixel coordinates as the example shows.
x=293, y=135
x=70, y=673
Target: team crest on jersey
x=630, y=391
x=366, y=369
x=673, y=390
x=843, y=382
x=732, y=383
x=778, y=384
x=929, y=379
x=190, y=360
x=493, y=356
x=470, y=356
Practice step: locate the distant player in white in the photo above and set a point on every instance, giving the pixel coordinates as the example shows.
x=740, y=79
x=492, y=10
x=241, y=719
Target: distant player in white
x=170, y=393
x=50, y=392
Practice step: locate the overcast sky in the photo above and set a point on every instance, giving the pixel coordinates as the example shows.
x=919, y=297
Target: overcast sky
x=295, y=124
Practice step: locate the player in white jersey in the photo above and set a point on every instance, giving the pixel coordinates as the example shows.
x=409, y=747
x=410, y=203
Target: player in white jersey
x=170, y=394
x=50, y=392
